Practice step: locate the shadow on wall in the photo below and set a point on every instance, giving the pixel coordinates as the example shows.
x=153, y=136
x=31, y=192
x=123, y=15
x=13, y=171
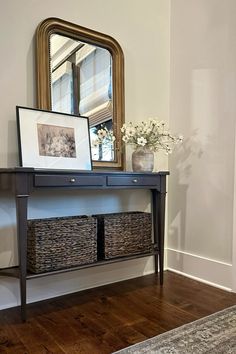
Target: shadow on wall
x=180, y=172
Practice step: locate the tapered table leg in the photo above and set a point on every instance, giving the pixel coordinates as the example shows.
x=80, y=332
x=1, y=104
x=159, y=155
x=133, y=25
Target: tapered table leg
x=161, y=231
x=155, y=226
x=21, y=214
x=158, y=206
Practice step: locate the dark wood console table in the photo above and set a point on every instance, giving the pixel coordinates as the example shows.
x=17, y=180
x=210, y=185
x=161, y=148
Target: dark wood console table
x=23, y=181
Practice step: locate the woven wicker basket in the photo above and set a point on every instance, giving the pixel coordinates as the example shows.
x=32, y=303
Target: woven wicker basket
x=58, y=243
x=123, y=234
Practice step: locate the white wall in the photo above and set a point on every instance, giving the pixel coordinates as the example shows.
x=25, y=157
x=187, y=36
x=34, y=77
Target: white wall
x=142, y=29
x=202, y=107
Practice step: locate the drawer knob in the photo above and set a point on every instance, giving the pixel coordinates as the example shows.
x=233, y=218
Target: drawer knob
x=135, y=180
x=72, y=180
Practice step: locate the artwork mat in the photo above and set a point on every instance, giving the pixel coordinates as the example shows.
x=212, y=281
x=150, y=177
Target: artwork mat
x=27, y=121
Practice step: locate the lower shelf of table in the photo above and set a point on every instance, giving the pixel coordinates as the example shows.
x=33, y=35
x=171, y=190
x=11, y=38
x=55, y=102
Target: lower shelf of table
x=14, y=271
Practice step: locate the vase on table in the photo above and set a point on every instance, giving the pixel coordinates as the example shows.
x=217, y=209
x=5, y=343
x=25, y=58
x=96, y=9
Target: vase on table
x=142, y=160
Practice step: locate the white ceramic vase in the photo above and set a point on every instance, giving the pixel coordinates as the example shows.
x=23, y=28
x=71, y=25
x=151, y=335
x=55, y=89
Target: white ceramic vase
x=142, y=160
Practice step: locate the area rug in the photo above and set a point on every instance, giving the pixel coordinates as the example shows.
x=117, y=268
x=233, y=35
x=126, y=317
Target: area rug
x=214, y=334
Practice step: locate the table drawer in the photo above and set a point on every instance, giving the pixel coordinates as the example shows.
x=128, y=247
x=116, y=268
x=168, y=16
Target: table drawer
x=68, y=180
x=135, y=181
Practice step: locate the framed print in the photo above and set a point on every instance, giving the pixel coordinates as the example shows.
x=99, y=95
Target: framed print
x=53, y=140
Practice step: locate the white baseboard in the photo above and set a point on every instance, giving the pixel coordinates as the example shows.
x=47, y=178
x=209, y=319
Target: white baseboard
x=199, y=268
x=56, y=285
x=203, y=269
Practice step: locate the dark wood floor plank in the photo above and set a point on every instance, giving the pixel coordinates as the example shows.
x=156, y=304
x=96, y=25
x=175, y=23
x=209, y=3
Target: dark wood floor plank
x=148, y=328
x=106, y=319
x=35, y=338
x=9, y=341
x=194, y=296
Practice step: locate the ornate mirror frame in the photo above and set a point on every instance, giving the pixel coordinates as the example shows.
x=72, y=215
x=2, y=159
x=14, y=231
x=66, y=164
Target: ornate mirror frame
x=58, y=26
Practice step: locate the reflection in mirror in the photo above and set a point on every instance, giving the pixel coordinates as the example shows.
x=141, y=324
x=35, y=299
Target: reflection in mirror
x=81, y=83
x=81, y=71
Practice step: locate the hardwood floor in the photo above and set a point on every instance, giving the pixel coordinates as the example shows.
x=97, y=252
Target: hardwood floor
x=111, y=317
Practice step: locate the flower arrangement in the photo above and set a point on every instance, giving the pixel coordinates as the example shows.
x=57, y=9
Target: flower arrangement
x=102, y=143
x=104, y=137
x=152, y=135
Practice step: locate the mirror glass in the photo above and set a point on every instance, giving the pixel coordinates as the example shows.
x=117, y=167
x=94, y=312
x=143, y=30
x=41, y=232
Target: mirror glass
x=81, y=83
x=81, y=71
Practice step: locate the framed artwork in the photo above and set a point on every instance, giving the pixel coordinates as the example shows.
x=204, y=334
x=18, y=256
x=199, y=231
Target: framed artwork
x=53, y=140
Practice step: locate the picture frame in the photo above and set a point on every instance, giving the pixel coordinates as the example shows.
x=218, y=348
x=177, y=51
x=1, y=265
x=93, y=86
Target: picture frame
x=53, y=140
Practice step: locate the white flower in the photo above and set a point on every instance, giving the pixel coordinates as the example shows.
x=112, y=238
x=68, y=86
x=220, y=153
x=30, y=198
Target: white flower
x=130, y=131
x=147, y=130
x=95, y=143
x=142, y=141
x=140, y=129
x=123, y=128
x=102, y=132
x=152, y=121
x=125, y=138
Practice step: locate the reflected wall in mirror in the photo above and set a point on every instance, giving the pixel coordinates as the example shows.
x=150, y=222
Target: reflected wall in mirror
x=81, y=71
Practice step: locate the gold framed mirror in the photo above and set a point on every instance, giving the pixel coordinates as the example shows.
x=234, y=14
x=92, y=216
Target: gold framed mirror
x=81, y=71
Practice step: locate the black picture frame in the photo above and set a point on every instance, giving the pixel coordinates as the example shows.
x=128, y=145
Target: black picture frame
x=53, y=140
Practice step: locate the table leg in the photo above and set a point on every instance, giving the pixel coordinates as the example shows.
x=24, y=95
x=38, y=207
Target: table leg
x=21, y=214
x=158, y=204
x=155, y=226
x=161, y=231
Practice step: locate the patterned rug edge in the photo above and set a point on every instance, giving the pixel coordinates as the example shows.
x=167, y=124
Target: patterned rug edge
x=173, y=331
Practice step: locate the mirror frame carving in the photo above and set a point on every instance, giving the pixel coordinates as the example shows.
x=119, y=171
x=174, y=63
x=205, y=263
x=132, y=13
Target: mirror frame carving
x=54, y=25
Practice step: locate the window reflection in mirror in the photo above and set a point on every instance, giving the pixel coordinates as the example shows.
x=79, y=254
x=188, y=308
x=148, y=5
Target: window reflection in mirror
x=81, y=83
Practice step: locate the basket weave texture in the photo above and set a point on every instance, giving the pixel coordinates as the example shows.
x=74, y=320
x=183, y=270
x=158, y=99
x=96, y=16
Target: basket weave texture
x=58, y=243
x=125, y=234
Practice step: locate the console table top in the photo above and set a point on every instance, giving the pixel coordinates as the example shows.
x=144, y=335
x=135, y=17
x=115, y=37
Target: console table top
x=67, y=171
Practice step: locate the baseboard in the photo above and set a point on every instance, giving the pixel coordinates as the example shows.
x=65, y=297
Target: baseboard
x=203, y=269
x=199, y=268
x=66, y=283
